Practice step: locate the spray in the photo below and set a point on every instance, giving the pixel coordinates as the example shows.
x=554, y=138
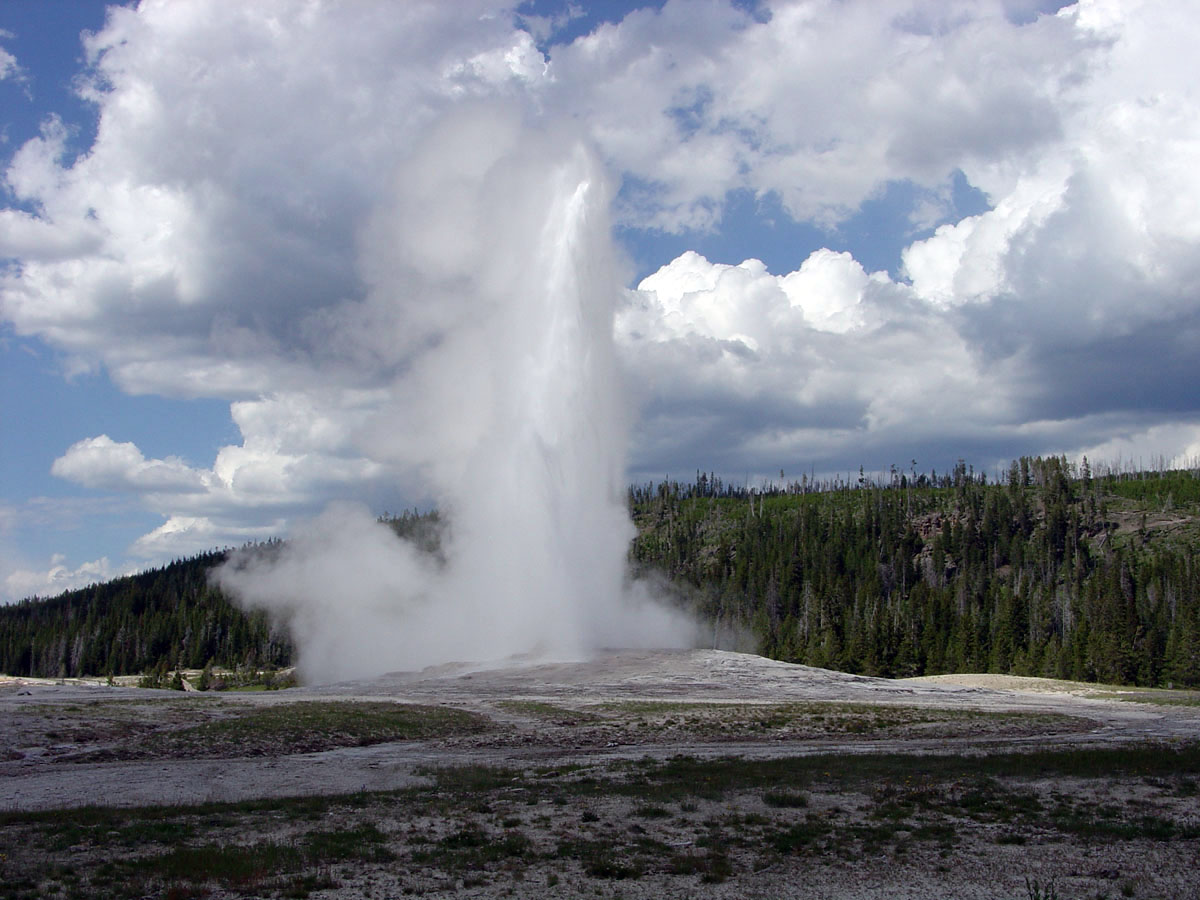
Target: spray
x=495, y=265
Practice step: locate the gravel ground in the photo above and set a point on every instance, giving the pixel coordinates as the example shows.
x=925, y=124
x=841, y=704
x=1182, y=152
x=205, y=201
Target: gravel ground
x=65, y=745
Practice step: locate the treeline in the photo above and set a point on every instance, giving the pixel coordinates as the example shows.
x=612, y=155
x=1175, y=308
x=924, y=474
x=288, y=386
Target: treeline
x=158, y=620
x=1053, y=571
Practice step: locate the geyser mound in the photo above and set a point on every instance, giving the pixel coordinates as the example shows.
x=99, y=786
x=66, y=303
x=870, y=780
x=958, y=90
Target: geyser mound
x=493, y=262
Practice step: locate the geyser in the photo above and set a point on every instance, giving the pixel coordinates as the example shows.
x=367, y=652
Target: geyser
x=493, y=265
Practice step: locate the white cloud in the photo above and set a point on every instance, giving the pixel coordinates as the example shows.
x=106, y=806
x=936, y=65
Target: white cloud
x=1065, y=314
x=752, y=371
x=20, y=583
x=823, y=103
x=240, y=152
x=101, y=462
x=296, y=452
x=1092, y=231
x=182, y=536
x=8, y=65
x=1173, y=445
x=284, y=204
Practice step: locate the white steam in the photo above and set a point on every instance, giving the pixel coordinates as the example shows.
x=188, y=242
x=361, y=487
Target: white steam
x=492, y=292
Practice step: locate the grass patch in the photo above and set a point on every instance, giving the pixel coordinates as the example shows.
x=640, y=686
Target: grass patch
x=785, y=799
x=231, y=866
x=1095, y=821
x=365, y=842
x=537, y=709
x=801, y=837
x=473, y=779
x=473, y=849
x=292, y=868
x=601, y=859
x=652, y=812
x=818, y=718
x=713, y=866
x=313, y=726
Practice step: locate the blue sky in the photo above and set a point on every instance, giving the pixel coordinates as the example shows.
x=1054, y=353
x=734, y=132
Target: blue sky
x=957, y=260
x=45, y=406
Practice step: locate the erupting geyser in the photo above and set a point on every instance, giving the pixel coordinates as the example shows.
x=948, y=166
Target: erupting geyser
x=493, y=265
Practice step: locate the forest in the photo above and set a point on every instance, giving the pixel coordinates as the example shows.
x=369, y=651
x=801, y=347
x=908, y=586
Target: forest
x=148, y=623
x=1056, y=569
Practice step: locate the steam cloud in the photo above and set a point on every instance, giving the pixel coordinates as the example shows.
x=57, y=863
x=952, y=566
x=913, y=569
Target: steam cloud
x=492, y=290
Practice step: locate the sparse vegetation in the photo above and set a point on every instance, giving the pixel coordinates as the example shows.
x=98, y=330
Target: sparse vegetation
x=305, y=727
x=538, y=709
x=824, y=810
x=785, y=799
x=1038, y=891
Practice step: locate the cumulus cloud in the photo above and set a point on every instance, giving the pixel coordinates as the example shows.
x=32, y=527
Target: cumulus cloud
x=296, y=451
x=181, y=535
x=820, y=103
x=760, y=371
x=101, y=462
x=20, y=583
x=1127, y=446
x=1064, y=314
x=25, y=573
x=286, y=203
x=238, y=155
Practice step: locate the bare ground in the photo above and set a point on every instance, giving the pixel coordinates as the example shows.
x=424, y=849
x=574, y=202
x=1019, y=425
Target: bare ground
x=636, y=774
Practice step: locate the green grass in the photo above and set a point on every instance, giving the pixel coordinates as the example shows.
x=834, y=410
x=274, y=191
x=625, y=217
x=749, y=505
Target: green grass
x=201, y=726
x=801, y=837
x=265, y=863
x=159, y=819
x=602, y=858
x=474, y=779
x=185, y=867
x=471, y=848
x=365, y=842
x=538, y=709
x=785, y=799
x=687, y=776
x=731, y=720
x=313, y=726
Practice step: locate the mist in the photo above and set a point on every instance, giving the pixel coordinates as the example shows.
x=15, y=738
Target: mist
x=492, y=284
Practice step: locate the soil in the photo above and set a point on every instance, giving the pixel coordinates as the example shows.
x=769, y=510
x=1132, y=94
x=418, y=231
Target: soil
x=66, y=745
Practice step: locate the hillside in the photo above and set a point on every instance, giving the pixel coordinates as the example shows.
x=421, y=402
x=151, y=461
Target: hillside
x=150, y=622
x=1058, y=571
x=154, y=622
